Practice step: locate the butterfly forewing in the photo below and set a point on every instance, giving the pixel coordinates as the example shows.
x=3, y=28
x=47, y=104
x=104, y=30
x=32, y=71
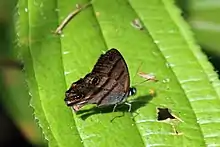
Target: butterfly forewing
x=107, y=84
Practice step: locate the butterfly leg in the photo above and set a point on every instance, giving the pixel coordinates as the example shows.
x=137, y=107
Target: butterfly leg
x=114, y=107
x=126, y=103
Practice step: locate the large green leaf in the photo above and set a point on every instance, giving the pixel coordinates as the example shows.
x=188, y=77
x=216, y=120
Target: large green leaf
x=187, y=83
x=205, y=21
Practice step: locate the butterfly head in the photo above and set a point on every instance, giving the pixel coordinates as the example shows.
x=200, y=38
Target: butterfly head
x=132, y=91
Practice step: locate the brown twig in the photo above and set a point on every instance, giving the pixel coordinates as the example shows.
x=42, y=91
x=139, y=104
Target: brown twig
x=69, y=17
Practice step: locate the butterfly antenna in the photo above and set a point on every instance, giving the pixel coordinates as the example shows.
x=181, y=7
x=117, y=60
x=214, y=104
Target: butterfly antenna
x=137, y=71
x=139, y=83
x=136, y=74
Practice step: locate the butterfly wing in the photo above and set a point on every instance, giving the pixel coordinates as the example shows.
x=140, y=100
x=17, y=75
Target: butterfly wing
x=107, y=84
x=115, y=78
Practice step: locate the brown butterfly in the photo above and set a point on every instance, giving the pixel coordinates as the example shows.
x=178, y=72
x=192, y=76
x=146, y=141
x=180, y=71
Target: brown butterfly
x=107, y=84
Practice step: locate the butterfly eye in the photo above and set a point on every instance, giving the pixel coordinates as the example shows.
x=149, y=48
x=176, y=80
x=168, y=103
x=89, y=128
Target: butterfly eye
x=132, y=91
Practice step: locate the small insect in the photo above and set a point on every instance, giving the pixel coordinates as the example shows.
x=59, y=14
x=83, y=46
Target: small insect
x=148, y=77
x=107, y=84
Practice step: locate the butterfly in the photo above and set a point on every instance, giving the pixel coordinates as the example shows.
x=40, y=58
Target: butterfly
x=107, y=84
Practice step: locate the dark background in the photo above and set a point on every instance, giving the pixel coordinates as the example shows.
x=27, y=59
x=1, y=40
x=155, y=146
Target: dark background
x=15, y=127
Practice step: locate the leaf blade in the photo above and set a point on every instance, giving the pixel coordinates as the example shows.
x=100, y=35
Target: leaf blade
x=55, y=63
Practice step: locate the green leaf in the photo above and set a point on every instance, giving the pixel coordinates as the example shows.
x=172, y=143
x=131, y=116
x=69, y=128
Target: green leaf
x=15, y=99
x=206, y=23
x=14, y=96
x=187, y=83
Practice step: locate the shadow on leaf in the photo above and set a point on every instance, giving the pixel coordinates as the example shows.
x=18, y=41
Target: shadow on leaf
x=137, y=103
